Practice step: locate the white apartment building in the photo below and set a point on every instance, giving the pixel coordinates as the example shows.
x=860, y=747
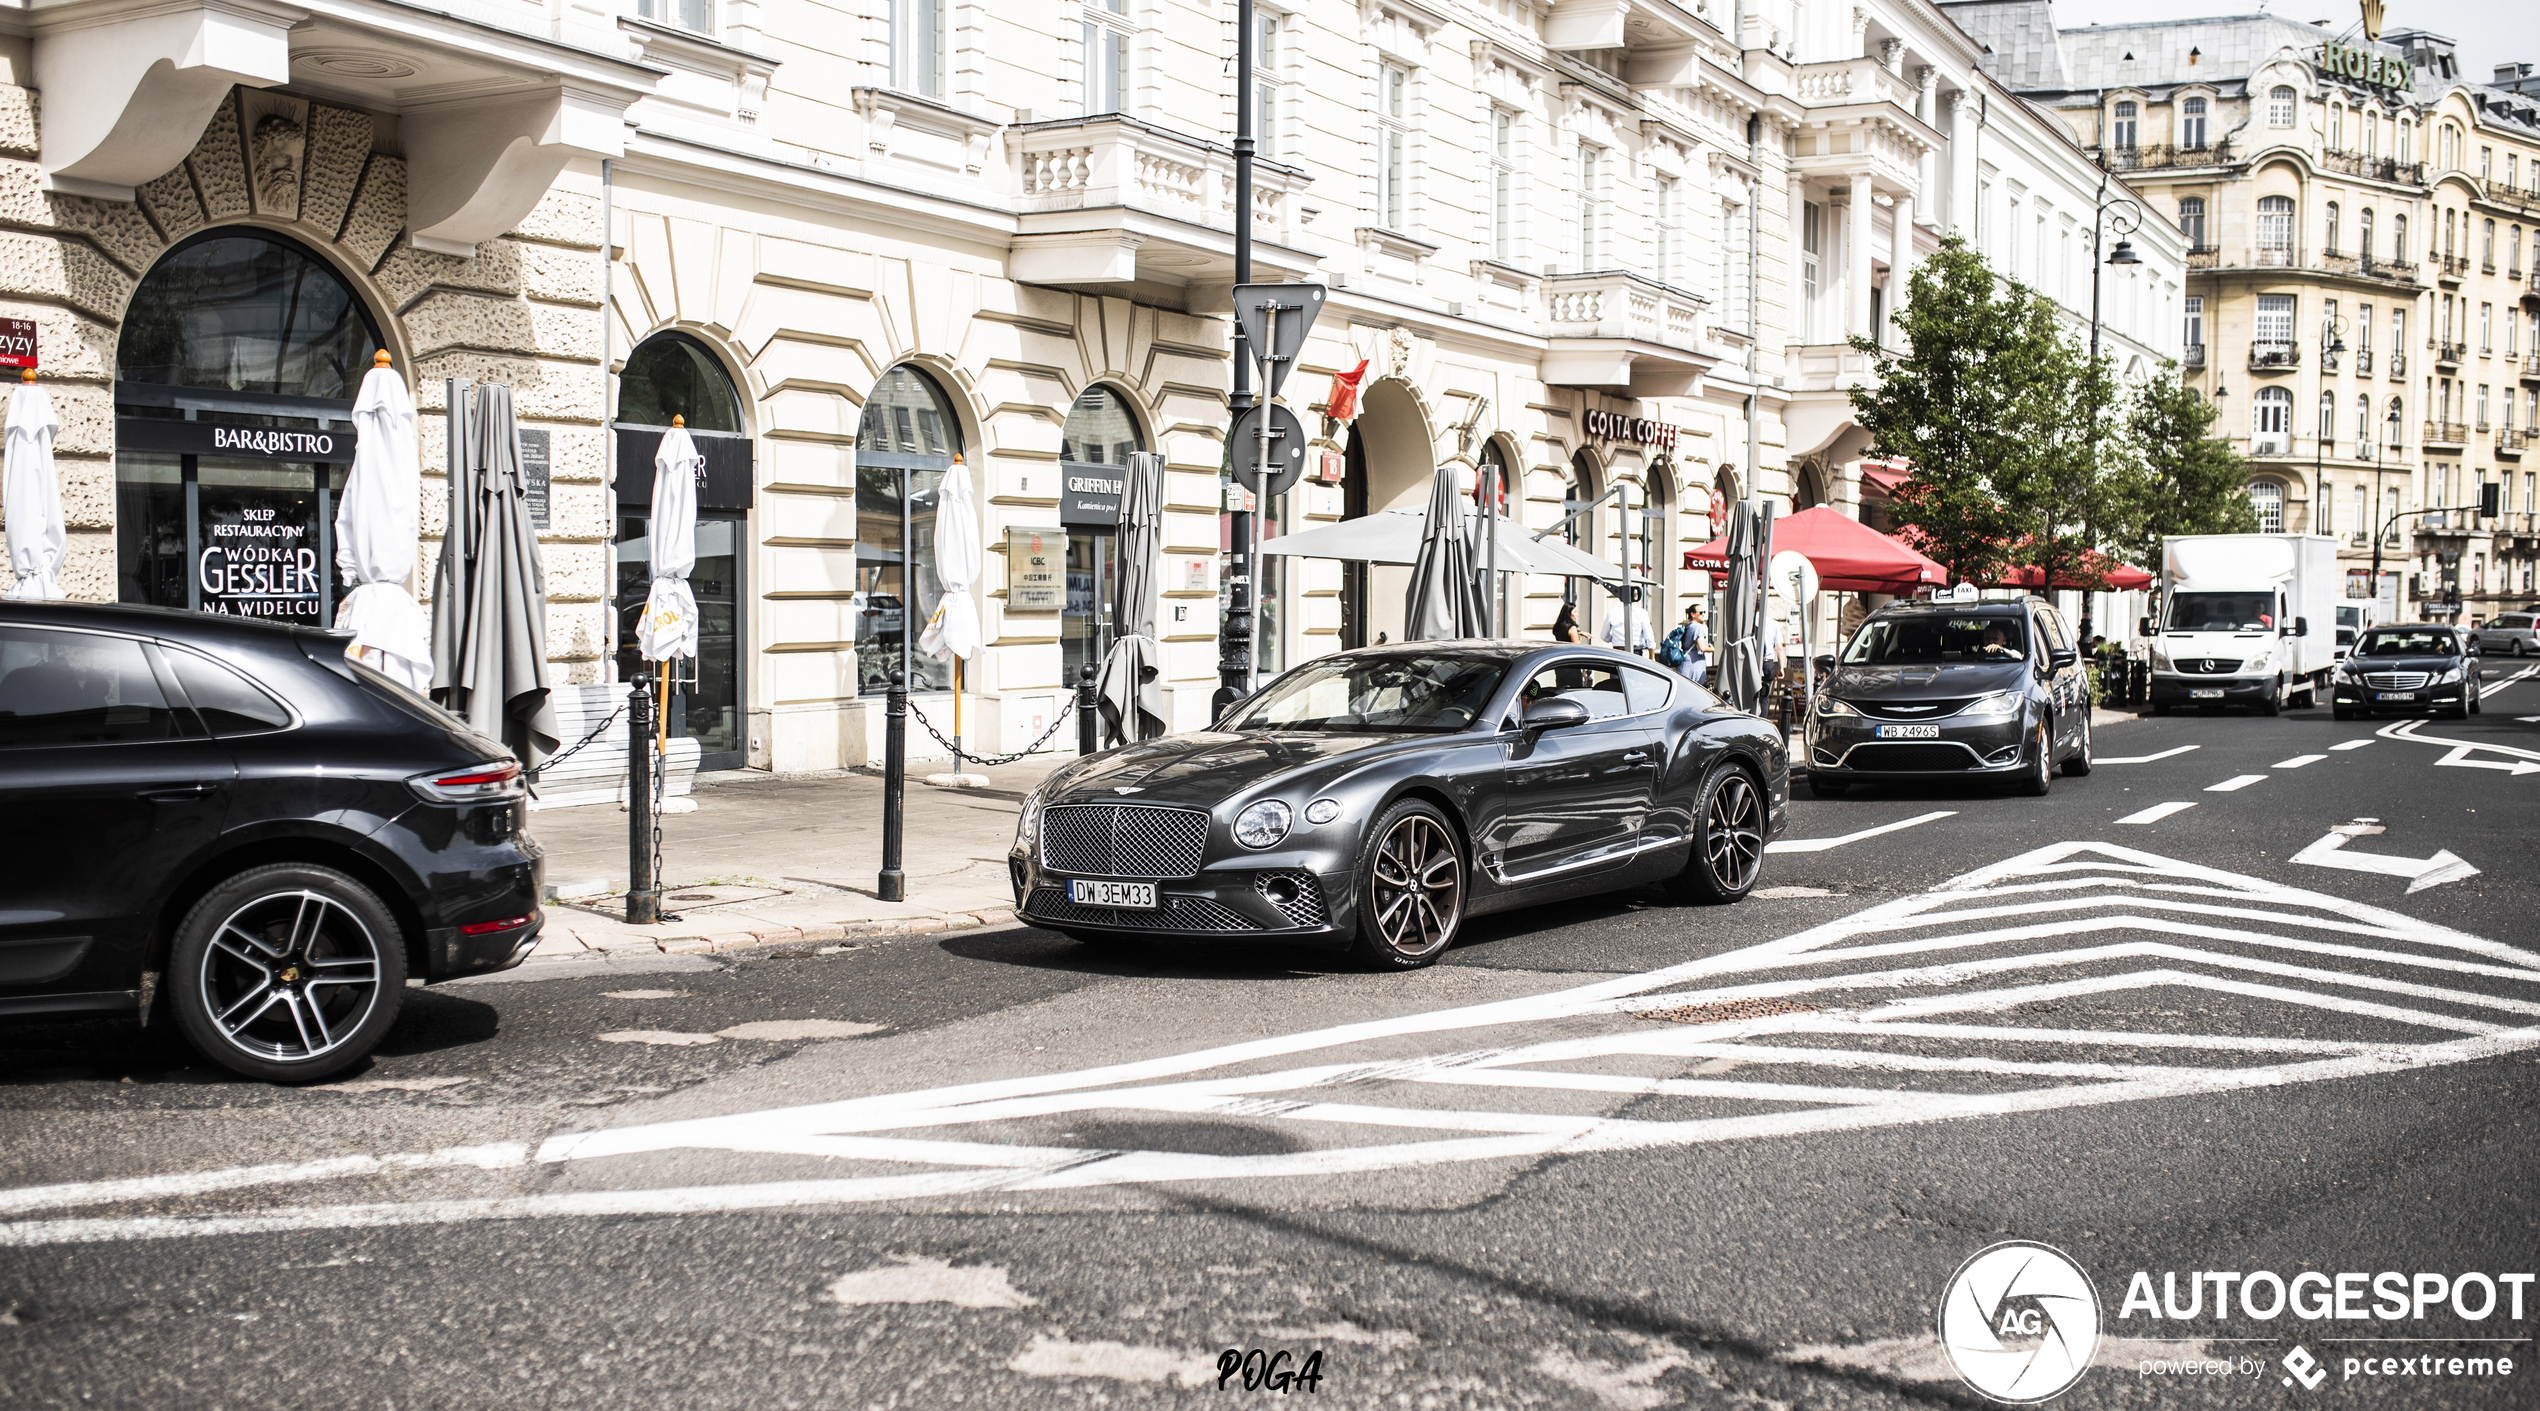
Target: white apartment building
x=1593, y=243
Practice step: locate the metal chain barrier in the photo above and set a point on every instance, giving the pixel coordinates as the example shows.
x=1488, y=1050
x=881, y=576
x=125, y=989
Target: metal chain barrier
x=568, y=751
x=966, y=758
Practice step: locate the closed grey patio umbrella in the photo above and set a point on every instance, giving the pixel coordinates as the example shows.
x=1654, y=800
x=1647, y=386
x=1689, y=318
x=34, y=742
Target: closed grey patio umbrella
x=1132, y=707
x=489, y=602
x=1445, y=598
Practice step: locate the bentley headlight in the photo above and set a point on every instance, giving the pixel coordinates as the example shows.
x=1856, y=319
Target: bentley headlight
x=1828, y=705
x=1262, y=824
x=1027, y=828
x=1993, y=707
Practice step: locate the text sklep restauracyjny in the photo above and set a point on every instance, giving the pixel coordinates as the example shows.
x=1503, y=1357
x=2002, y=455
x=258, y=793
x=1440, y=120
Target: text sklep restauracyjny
x=2388, y=1296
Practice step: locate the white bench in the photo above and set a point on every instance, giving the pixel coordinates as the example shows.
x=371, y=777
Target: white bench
x=597, y=773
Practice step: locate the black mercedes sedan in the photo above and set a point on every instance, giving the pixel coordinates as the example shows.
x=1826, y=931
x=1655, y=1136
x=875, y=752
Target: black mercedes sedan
x=227, y=825
x=1990, y=688
x=1374, y=799
x=2413, y=667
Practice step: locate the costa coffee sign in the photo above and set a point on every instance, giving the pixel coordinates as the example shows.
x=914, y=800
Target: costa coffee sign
x=1639, y=431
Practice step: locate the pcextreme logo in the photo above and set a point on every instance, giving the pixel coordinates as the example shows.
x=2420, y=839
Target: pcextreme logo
x=2020, y=1321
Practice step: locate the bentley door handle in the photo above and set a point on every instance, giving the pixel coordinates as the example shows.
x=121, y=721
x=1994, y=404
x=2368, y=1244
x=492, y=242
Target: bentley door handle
x=1635, y=756
x=178, y=793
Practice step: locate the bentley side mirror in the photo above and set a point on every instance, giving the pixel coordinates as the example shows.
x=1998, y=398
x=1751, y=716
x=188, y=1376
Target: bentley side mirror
x=1826, y=662
x=1554, y=713
x=2301, y=627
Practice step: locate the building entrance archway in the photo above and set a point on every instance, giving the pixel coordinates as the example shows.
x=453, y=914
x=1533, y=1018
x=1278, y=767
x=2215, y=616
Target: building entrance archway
x=1391, y=460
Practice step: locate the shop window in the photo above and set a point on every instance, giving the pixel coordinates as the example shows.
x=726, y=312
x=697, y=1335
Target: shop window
x=1100, y=433
x=235, y=330
x=905, y=442
x=672, y=376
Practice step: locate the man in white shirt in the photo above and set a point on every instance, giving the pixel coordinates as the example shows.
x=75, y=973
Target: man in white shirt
x=1626, y=628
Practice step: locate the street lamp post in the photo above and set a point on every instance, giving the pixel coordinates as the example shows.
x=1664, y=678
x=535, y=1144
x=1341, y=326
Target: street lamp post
x=2380, y=531
x=2120, y=216
x=1237, y=651
x=2332, y=342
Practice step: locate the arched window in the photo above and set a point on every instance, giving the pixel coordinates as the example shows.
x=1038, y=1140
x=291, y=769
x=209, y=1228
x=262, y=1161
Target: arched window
x=905, y=441
x=2407, y=141
x=2370, y=122
x=2328, y=239
x=2275, y=229
x=2336, y=127
x=226, y=313
x=2125, y=125
x=2328, y=418
x=1577, y=489
x=671, y=375
x=2191, y=221
x=2280, y=106
x=2363, y=425
x=1492, y=468
x=2191, y=131
x=2267, y=498
x=2271, y=419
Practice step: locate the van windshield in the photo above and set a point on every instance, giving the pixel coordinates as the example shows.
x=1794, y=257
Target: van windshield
x=2221, y=612
x=1925, y=638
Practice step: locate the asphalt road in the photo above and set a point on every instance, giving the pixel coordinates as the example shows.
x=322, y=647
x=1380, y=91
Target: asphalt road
x=1615, y=1154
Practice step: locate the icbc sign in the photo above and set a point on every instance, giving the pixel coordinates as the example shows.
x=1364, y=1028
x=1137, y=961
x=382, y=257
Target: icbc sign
x=17, y=342
x=1640, y=431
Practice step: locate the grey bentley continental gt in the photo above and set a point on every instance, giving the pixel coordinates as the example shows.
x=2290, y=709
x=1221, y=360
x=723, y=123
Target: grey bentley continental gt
x=1373, y=799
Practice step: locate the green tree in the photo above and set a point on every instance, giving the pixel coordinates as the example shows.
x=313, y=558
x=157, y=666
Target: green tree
x=1957, y=403
x=2068, y=501
x=2179, y=477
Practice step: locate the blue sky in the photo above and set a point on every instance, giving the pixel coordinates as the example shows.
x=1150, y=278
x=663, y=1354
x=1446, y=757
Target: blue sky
x=2490, y=32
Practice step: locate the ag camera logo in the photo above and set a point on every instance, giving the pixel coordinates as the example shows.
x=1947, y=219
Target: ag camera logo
x=2020, y=1321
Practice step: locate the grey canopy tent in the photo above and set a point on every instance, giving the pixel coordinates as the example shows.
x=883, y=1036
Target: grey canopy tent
x=1132, y=707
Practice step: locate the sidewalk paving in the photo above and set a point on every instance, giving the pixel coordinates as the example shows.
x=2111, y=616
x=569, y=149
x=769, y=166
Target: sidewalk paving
x=767, y=859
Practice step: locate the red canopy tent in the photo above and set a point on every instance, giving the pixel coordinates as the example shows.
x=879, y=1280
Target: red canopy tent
x=1850, y=556
x=2118, y=576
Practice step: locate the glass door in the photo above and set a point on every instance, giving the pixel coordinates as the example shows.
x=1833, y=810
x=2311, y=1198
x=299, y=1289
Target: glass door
x=713, y=710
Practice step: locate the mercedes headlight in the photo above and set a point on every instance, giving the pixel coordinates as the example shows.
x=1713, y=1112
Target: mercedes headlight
x=1828, y=705
x=2449, y=678
x=1263, y=824
x=2160, y=659
x=1993, y=707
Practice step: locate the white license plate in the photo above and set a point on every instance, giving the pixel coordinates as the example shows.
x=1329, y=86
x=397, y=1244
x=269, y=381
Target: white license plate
x=2209, y=694
x=1132, y=894
x=2396, y=696
x=1909, y=732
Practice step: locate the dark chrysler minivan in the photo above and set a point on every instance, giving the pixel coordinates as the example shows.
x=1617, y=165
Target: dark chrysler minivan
x=1952, y=687
x=226, y=824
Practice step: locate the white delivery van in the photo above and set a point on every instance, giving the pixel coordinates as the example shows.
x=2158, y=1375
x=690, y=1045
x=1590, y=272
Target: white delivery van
x=2353, y=616
x=2244, y=619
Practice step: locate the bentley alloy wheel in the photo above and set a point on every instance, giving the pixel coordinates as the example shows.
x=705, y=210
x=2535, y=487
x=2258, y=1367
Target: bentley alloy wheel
x=1411, y=896
x=1728, y=840
x=287, y=972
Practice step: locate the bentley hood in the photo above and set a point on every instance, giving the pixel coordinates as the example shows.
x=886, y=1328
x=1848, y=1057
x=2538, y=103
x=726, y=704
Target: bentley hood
x=1207, y=768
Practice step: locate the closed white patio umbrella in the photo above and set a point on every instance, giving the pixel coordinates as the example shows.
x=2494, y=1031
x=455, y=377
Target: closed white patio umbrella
x=375, y=529
x=668, y=627
x=953, y=632
x=31, y=498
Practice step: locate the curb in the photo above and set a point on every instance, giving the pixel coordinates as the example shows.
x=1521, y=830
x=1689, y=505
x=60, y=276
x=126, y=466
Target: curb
x=769, y=935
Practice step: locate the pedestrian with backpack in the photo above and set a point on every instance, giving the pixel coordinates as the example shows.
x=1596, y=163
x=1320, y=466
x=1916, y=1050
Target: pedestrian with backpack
x=1687, y=650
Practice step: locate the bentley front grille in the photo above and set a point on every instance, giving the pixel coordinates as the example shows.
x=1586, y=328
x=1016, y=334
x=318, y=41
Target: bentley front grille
x=1123, y=840
x=1050, y=905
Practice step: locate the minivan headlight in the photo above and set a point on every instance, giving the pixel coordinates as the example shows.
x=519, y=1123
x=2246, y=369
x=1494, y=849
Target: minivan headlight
x=1828, y=705
x=1993, y=707
x=1263, y=824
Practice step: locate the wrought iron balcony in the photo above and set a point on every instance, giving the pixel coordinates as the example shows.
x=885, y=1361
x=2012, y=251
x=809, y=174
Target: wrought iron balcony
x=2526, y=197
x=2398, y=365
x=2449, y=354
x=2374, y=168
x=2509, y=442
x=2162, y=156
x=2270, y=356
x=2531, y=367
x=2446, y=433
x=2363, y=362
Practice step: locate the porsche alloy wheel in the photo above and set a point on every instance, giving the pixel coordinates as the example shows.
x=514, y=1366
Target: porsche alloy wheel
x=1412, y=895
x=288, y=972
x=1728, y=840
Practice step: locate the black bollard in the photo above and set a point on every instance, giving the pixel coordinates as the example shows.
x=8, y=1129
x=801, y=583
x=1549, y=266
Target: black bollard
x=643, y=899
x=1088, y=712
x=893, y=883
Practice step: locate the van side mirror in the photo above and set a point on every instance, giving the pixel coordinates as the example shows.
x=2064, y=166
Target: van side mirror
x=2143, y=627
x=2301, y=627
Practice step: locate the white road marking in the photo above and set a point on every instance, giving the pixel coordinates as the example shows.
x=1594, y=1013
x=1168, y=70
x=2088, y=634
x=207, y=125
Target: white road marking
x=639, y=994
x=2485, y=689
x=2233, y=785
x=2459, y=750
x=2156, y=813
x=2053, y=894
x=2146, y=758
x=769, y=1029
x=483, y=1158
x=668, y=1038
x=2297, y=761
x=1119, y=1361
x=1821, y=844
x=2359, y=744
x=2421, y=872
x=914, y=1278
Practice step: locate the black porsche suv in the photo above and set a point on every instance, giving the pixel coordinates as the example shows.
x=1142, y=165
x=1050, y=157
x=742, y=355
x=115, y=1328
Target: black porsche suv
x=227, y=825
x=1961, y=687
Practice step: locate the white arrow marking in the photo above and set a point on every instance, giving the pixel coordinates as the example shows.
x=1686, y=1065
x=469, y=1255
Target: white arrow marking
x=2147, y=758
x=2421, y=872
x=2156, y=813
x=1821, y=844
x=2528, y=719
x=2459, y=759
x=2234, y=785
x=2297, y=761
x=2407, y=730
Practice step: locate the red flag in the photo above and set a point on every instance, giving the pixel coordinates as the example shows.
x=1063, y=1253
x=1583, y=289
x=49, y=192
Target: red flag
x=1341, y=403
